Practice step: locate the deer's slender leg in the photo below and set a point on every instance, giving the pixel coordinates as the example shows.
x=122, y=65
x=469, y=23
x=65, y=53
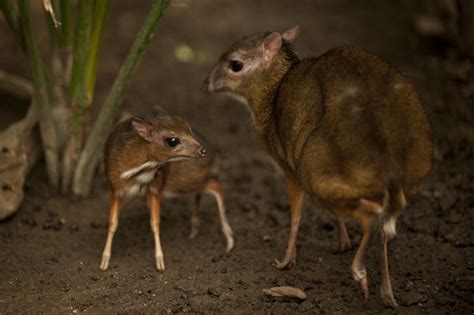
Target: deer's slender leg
x=214, y=187
x=386, y=291
x=344, y=241
x=194, y=217
x=295, y=194
x=154, y=205
x=113, y=223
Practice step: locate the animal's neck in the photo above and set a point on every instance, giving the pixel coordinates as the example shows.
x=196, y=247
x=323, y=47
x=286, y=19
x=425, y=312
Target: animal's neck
x=261, y=95
x=137, y=153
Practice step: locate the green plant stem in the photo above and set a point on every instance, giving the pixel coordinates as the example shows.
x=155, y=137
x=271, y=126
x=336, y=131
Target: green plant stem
x=77, y=94
x=54, y=31
x=66, y=41
x=89, y=157
x=101, y=9
x=48, y=132
x=66, y=24
x=10, y=15
x=81, y=45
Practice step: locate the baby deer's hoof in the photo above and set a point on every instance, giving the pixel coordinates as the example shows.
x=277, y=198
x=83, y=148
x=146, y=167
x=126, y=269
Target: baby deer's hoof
x=230, y=244
x=388, y=299
x=229, y=236
x=345, y=245
x=160, y=263
x=364, y=286
x=194, y=227
x=285, y=264
x=193, y=234
x=104, y=264
x=360, y=275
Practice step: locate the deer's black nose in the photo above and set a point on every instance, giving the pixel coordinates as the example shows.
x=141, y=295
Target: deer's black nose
x=202, y=152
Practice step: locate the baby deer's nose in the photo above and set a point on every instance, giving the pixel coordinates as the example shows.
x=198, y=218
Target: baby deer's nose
x=202, y=152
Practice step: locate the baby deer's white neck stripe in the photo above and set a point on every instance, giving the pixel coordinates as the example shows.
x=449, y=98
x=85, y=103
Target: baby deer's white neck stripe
x=134, y=171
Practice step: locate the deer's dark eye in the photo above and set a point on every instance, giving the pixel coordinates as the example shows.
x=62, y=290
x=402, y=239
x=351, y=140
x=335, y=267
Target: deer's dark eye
x=172, y=142
x=236, y=65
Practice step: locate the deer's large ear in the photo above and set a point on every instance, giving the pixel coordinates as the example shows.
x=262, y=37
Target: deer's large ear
x=292, y=34
x=270, y=46
x=143, y=128
x=159, y=111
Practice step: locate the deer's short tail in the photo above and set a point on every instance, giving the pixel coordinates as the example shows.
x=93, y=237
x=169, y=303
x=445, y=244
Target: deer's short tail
x=393, y=204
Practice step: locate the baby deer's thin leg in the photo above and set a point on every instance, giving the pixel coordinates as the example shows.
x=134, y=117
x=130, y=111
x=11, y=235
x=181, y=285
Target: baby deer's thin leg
x=295, y=194
x=365, y=214
x=113, y=222
x=386, y=291
x=214, y=187
x=154, y=205
x=344, y=241
x=195, y=217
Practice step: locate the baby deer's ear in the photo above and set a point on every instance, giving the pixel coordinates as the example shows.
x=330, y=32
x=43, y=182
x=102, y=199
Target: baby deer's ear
x=292, y=34
x=159, y=111
x=143, y=128
x=270, y=46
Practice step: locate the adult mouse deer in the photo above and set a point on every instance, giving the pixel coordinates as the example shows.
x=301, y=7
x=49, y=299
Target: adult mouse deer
x=158, y=155
x=346, y=127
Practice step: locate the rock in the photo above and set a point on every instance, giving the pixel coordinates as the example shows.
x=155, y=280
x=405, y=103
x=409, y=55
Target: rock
x=19, y=151
x=53, y=222
x=285, y=292
x=213, y=292
x=412, y=298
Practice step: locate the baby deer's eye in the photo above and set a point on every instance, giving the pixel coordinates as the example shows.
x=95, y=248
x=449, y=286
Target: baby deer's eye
x=172, y=142
x=236, y=65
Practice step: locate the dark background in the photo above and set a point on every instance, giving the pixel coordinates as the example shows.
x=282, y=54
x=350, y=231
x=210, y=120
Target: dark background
x=50, y=250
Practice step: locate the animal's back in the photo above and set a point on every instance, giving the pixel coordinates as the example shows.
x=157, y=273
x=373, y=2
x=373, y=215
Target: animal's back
x=349, y=119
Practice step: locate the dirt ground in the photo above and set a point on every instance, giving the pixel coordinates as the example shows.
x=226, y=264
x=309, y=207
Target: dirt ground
x=50, y=250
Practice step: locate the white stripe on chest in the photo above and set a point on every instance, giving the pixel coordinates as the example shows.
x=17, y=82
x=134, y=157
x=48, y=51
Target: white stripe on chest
x=146, y=177
x=134, y=171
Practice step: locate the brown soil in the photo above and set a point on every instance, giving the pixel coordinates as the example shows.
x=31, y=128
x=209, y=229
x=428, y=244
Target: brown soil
x=50, y=252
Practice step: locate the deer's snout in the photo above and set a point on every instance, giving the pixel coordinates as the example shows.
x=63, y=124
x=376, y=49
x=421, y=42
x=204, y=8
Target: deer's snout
x=202, y=153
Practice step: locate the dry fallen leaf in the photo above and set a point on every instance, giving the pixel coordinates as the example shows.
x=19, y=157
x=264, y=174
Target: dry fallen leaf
x=285, y=292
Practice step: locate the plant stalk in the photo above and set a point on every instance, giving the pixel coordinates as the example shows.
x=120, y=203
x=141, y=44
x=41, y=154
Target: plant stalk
x=76, y=121
x=10, y=14
x=81, y=45
x=101, y=10
x=66, y=39
x=48, y=132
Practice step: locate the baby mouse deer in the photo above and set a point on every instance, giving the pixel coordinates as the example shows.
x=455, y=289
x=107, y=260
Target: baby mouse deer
x=155, y=156
x=346, y=127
